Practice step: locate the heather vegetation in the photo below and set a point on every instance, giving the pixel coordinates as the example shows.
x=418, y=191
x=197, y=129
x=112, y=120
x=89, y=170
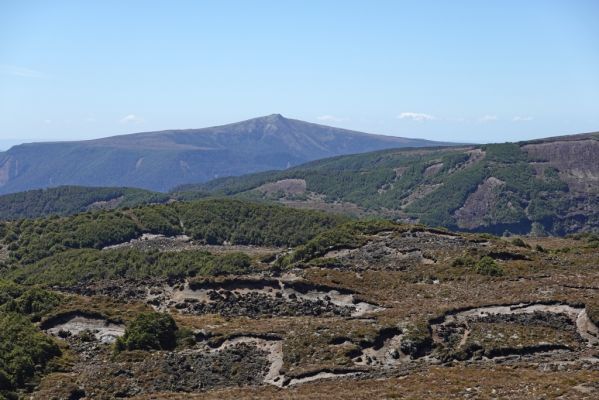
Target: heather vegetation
x=368, y=296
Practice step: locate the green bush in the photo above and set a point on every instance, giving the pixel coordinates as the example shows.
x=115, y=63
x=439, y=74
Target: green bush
x=232, y=263
x=519, y=242
x=349, y=235
x=149, y=331
x=33, y=302
x=209, y=221
x=465, y=261
x=24, y=351
x=68, y=200
x=88, y=265
x=488, y=266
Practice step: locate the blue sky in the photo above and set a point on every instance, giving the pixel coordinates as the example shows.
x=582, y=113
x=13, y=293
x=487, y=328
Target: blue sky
x=470, y=71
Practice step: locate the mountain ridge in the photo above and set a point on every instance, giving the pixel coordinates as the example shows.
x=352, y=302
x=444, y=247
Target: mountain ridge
x=543, y=186
x=163, y=159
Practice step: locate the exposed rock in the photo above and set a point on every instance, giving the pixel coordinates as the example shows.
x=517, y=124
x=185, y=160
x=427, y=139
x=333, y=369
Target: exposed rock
x=478, y=205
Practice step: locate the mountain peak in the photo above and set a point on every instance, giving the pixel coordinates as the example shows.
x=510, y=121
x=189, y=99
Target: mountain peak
x=161, y=160
x=274, y=118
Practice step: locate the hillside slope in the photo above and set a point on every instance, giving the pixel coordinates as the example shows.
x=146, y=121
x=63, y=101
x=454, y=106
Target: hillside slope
x=68, y=200
x=161, y=160
x=542, y=186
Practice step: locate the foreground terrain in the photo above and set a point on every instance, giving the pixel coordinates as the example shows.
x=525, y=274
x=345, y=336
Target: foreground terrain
x=226, y=299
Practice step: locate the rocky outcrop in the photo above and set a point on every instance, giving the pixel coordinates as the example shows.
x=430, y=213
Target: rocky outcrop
x=478, y=206
x=576, y=161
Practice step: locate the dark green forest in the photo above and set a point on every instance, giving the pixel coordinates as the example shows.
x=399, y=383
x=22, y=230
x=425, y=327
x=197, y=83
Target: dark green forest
x=208, y=221
x=68, y=200
x=384, y=182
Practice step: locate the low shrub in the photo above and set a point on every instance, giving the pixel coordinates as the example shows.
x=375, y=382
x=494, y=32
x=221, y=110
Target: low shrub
x=465, y=261
x=347, y=236
x=24, y=351
x=488, y=266
x=229, y=264
x=33, y=302
x=519, y=242
x=149, y=331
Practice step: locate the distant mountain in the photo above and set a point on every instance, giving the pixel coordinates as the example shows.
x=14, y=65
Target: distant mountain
x=162, y=160
x=67, y=200
x=542, y=186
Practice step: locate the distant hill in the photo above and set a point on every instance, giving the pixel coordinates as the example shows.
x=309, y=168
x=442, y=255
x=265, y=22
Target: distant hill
x=67, y=200
x=542, y=186
x=161, y=160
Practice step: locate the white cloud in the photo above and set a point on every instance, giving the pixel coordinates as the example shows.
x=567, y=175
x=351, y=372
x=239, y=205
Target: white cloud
x=20, y=71
x=47, y=121
x=414, y=116
x=488, y=118
x=519, y=118
x=131, y=119
x=330, y=118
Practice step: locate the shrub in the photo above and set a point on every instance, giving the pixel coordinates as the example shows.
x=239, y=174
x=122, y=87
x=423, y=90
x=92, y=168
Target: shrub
x=519, y=242
x=149, y=331
x=347, y=236
x=210, y=221
x=34, y=302
x=24, y=351
x=417, y=338
x=233, y=263
x=88, y=265
x=488, y=266
x=327, y=263
x=465, y=261
x=185, y=337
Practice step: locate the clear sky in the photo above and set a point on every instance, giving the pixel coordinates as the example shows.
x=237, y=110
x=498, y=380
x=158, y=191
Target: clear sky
x=470, y=71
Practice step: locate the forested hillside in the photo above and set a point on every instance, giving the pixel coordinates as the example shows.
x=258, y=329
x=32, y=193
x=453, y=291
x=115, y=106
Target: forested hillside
x=210, y=221
x=547, y=186
x=541, y=187
x=67, y=200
